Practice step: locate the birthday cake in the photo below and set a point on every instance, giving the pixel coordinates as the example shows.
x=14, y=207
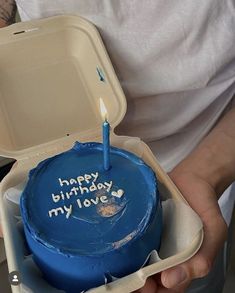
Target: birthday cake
x=86, y=225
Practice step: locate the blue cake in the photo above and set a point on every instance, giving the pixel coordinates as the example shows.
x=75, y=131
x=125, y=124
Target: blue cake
x=85, y=225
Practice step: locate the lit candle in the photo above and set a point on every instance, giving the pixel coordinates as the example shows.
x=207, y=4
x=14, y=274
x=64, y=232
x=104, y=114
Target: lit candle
x=106, y=130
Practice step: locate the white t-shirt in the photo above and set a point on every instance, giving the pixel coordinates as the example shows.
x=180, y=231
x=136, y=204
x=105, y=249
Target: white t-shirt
x=175, y=61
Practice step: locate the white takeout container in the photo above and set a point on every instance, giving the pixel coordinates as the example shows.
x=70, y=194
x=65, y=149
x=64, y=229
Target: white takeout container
x=53, y=72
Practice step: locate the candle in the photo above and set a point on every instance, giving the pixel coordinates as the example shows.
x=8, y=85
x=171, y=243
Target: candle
x=106, y=130
x=106, y=145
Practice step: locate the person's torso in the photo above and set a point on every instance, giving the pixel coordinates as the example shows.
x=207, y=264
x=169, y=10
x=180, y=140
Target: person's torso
x=174, y=59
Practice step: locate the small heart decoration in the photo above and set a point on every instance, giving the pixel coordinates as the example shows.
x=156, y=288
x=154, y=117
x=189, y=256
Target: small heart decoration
x=118, y=193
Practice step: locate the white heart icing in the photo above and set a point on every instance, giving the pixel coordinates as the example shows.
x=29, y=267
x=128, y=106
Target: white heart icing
x=118, y=194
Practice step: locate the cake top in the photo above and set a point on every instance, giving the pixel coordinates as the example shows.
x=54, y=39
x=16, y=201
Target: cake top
x=72, y=205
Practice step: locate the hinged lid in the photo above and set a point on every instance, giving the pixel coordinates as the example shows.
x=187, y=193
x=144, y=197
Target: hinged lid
x=53, y=72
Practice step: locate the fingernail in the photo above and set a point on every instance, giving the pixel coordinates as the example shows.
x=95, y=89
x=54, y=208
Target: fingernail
x=174, y=278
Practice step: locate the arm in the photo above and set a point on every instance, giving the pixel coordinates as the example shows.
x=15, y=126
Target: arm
x=202, y=177
x=7, y=12
x=214, y=159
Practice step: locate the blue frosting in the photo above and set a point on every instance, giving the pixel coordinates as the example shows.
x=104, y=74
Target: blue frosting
x=84, y=224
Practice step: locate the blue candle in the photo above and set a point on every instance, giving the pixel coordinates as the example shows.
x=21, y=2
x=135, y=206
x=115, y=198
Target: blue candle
x=106, y=144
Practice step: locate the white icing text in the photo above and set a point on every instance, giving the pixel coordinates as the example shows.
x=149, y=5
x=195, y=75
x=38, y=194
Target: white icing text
x=79, y=186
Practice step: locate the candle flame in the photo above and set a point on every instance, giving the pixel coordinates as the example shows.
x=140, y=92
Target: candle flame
x=103, y=110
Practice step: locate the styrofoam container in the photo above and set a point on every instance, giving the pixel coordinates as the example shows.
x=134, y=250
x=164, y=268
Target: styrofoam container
x=53, y=72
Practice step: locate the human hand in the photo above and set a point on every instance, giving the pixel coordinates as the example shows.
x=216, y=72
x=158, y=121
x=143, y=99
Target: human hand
x=202, y=177
x=7, y=12
x=201, y=196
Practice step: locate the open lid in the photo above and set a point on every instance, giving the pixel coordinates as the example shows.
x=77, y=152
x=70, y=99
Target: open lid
x=53, y=72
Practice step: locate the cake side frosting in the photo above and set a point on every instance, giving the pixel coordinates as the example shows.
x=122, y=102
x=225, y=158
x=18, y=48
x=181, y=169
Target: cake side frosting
x=78, y=215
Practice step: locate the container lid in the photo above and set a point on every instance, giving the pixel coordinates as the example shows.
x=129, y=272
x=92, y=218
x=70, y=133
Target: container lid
x=53, y=73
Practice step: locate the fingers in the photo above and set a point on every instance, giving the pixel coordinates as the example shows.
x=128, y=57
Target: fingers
x=202, y=199
x=153, y=285
x=200, y=264
x=162, y=289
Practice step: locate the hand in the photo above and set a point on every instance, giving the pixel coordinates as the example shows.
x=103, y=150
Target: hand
x=7, y=12
x=202, y=177
x=201, y=196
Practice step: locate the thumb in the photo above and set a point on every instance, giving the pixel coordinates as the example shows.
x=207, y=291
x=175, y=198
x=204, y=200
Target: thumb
x=201, y=263
x=184, y=273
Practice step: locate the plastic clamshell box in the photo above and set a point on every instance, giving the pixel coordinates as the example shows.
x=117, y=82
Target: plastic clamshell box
x=53, y=72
